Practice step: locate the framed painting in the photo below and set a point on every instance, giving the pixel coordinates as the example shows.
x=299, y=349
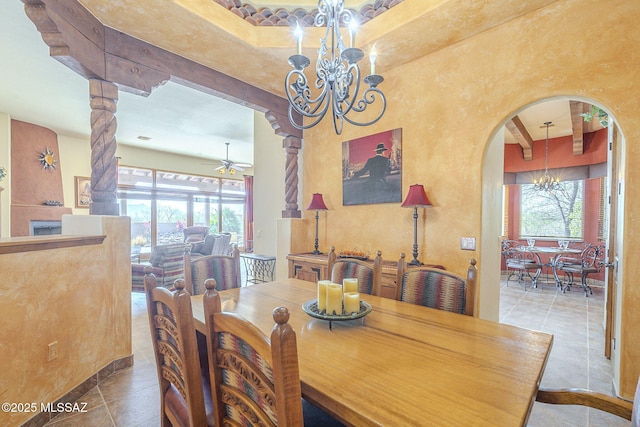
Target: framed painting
x=83, y=192
x=372, y=169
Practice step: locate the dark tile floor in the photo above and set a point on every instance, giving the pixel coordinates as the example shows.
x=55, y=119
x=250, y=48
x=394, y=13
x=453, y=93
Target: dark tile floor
x=130, y=397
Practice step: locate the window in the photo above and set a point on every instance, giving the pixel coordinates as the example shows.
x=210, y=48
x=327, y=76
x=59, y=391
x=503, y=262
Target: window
x=171, y=218
x=554, y=214
x=162, y=203
x=140, y=213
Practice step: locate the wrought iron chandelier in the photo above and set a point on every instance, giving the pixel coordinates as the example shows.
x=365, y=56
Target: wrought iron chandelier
x=546, y=182
x=337, y=82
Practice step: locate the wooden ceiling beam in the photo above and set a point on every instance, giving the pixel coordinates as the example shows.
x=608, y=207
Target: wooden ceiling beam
x=79, y=41
x=577, y=124
x=521, y=135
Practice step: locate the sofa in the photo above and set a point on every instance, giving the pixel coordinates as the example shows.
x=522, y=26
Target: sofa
x=213, y=244
x=167, y=262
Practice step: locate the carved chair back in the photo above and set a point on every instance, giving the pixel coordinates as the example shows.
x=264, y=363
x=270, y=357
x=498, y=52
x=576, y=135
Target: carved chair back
x=254, y=379
x=176, y=350
x=437, y=288
x=369, y=275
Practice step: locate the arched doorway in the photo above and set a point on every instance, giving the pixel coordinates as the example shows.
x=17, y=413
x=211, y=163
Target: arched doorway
x=492, y=208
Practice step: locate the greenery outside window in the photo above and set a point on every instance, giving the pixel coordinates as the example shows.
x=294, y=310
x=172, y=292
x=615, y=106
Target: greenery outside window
x=162, y=203
x=555, y=214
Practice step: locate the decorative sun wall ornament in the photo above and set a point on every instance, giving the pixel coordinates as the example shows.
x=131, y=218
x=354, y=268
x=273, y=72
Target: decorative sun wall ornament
x=48, y=159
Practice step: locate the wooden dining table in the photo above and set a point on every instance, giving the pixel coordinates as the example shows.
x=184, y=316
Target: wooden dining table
x=402, y=364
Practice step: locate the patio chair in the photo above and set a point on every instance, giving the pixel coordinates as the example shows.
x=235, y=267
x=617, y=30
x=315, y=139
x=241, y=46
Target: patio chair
x=519, y=262
x=591, y=262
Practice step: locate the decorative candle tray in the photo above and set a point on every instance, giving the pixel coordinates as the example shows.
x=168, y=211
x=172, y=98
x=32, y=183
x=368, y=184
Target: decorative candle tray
x=362, y=258
x=311, y=308
x=355, y=254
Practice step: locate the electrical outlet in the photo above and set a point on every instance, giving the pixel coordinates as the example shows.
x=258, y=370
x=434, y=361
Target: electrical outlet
x=468, y=243
x=53, y=351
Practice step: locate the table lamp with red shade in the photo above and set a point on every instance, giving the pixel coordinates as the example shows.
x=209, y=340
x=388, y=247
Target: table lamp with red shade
x=416, y=198
x=318, y=204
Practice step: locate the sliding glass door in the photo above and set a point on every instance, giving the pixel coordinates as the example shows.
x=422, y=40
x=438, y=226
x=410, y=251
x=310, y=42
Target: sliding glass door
x=161, y=204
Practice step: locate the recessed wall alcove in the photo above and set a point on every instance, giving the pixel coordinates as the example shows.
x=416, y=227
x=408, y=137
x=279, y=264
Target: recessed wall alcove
x=32, y=184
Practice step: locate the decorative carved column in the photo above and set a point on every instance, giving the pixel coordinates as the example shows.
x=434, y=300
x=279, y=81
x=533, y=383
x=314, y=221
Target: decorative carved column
x=104, y=165
x=291, y=145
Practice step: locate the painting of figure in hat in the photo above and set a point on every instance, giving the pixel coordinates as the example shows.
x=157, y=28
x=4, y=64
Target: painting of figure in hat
x=371, y=169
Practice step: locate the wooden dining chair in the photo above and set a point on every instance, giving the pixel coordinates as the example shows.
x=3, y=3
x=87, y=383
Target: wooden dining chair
x=613, y=405
x=185, y=397
x=437, y=288
x=255, y=379
x=225, y=269
x=369, y=275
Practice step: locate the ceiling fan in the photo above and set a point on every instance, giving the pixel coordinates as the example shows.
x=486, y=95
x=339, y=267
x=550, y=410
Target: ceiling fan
x=230, y=166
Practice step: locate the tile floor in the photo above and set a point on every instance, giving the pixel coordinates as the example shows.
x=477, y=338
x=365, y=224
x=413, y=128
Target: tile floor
x=576, y=358
x=130, y=397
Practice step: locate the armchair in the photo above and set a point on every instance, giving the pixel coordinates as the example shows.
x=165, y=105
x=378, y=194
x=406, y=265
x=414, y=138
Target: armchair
x=167, y=262
x=195, y=233
x=213, y=244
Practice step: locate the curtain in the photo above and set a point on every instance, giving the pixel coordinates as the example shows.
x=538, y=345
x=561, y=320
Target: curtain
x=248, y=213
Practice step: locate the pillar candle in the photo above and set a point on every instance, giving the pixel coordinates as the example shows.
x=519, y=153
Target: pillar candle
x=351, y=302
x=350, y=284
x=334, y=299
x=322, y=294
x=372, y=58
x=298, y=35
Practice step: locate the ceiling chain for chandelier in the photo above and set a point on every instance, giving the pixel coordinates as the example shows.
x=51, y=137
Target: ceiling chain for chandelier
x=337, y=74
x=546, y=182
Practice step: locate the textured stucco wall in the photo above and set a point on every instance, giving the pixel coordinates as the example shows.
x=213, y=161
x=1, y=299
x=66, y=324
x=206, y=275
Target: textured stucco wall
x=78, y=296
x=451, y=102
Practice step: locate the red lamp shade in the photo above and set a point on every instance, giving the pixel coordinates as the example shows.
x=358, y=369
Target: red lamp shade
x=417, y=198
x=317, y=203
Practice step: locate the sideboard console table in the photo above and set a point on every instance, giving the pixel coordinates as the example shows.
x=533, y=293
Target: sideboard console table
x=310, y=267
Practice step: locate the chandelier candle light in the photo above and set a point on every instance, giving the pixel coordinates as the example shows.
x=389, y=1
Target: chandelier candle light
x=546, y=182
x=317, y=203
x=416, y=198
x=337, y=81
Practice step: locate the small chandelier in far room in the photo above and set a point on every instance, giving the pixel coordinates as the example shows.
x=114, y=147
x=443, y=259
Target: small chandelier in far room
x=546, y=182
x=337, y=79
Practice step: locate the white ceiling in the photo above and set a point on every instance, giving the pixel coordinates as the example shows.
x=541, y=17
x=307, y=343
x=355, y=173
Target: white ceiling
x=38, y=89
x=556, y=111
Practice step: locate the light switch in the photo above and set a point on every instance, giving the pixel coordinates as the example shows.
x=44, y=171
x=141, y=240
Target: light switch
x=468, y=243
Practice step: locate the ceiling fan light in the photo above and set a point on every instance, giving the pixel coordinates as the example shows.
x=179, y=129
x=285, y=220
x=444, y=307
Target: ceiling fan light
x=232, y=171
